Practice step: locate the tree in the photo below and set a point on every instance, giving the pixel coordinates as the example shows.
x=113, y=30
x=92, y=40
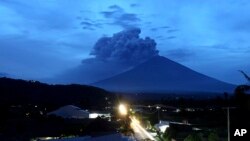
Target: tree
x=193, y=137
x=169, y=134
x=213, y=137
x=241, y=96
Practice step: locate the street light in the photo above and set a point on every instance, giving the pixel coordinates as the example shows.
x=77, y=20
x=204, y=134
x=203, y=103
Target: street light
x=123, y=110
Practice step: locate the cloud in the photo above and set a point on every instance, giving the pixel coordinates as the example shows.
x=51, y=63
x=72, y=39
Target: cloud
x=127, y=20
x=125, y=47
x=115, y=7
x=165, y=27
x=134, y=5
x=159, y=37
x=116, y=11
x=90, y=25
x=153, y=29
x=172, y=30
x=120, y=17
x=168, y=28
x=111, y=56
x=128, y=17
x=171, y=37
x=86, y=23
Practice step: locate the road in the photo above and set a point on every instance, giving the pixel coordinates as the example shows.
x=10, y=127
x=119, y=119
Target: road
x=140, y=132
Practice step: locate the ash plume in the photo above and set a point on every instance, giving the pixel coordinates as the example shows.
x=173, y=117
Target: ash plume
x=125, y=47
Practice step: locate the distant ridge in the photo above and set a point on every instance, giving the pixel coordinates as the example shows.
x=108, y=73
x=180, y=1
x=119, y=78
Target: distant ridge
x=14, y=91
x=160, y=74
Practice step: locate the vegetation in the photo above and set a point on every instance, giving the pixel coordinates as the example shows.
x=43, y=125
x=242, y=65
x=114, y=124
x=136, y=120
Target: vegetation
x=213, y=137
x=24, y=106
x=193, y=137
x=169, y=134
x=20, y=92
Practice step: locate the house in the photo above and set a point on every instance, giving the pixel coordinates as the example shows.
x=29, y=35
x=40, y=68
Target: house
x=71, y=112
x=162, y=126
x=96, y=114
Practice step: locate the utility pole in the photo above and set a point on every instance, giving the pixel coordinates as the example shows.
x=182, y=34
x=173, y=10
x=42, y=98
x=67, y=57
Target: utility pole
x=158, y=108
x=228, y=124
x=228, y=121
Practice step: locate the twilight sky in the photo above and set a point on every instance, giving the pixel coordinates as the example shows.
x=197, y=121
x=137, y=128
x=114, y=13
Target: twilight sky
x=42, y=38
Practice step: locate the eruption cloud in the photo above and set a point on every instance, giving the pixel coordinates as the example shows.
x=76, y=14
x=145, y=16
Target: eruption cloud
x=111, y=56
x=125, y=47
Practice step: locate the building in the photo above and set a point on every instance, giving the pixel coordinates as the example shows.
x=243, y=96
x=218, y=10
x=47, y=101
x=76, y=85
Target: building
x=96, y=114
x=162, y=126
x=73, y=112
x=70, y=112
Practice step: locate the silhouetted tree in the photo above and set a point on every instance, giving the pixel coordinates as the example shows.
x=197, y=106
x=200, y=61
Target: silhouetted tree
x=241, y=97
x=193, y=137
x=169, y=134
x=213, y=137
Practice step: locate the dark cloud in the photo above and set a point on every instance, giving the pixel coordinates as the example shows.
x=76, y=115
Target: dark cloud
x=165, y=27
x=115, y=7
x=171, y=37
x=129, y=17
x=134, y=5
x=127, y=20
x=172, y=30
x=86, y=23
x=111, y=56
x=120, y=17
x=154, y=29
x=90, y=25
x=88, y=28
x=125, y=47
x=159, y=37
x=108, y=14
x=116, y=11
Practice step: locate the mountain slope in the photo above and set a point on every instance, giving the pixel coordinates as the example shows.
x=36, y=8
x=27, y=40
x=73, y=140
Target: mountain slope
x=160, y=74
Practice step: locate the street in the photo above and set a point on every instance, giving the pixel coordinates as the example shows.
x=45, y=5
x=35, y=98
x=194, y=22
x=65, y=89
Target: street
x=139, y=131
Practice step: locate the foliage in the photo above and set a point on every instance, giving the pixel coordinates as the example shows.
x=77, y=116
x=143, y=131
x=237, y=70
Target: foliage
x=213, y=137
x=169, y=134
x=193, y=137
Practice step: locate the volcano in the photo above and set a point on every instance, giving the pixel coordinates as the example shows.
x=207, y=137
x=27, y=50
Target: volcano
x=160, y=74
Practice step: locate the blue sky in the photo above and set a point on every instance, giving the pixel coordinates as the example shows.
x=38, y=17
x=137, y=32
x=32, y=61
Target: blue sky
x=41, y=38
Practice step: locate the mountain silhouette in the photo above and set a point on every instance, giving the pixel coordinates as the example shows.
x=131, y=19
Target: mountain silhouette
x=160, y=74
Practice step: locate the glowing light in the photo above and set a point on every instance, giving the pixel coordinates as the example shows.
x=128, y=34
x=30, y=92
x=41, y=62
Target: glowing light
x=139, y=129
x=123, y=109
x=93, y=115
x=163, y=128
